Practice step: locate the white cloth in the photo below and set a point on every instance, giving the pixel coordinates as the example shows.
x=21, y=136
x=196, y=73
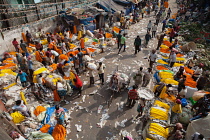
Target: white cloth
x=153, y=56
x=60, y=86
x=21, y=107
x=54, y=53
x=198, y=72
x=183, y=92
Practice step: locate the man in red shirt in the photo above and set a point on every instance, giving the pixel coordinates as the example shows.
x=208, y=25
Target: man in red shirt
x=16, y=45
x=132, y=97
x=38, y=46
x=78, y=85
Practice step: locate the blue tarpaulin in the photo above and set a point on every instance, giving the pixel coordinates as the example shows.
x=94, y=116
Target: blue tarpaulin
x=110, y=5
x=49, y=112
x=86, y=21
x=91, y=27
x=116, y=5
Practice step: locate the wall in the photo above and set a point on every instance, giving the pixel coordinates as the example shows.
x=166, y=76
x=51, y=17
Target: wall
x=6, y=43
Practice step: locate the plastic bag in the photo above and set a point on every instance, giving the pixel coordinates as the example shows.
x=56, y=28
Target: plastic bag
x=92, y=66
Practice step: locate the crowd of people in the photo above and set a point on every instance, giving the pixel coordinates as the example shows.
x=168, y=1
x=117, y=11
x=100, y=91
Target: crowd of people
x=57, y=52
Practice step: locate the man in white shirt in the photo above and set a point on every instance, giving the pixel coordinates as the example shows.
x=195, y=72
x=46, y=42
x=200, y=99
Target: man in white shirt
x=172, y=58
x=100, y=69
x=154, y=29
x=149, y=26
x=21, y=107
x=56, y=55
x=152, y=58
x=39, y=81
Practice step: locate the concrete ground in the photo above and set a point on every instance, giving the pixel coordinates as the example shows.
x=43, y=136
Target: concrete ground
x=85, y=114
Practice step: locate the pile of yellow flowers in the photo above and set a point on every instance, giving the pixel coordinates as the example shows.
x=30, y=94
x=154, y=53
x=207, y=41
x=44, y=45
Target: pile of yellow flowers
x=160, y=114
x=157, y=129
x=164, y=75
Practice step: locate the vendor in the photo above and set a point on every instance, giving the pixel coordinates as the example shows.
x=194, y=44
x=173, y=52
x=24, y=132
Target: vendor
x=177, y=132
x=23, y=78
x=161, y=89
x=197, y=73
x=60, y=115
x=62, y=91
x=78, y=85
x=16, y=136
x=177, y=108
x=40, y=83
x=202, y=81
x=19, y=106
x=179, y=74
x=191, y=63
x=6, y=55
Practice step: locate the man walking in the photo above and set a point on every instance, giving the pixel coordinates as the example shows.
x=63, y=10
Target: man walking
x=169, y=13
x=132, y=97
x=164, y=24
x=149, y=26
x=154, y=29
x=119, y=39
x=137, y=44
x=160, y=41
x=122, y=43
x=152, y=58
x=100, y=69
x=147, y=77
x=147, y=38
x=158, y=18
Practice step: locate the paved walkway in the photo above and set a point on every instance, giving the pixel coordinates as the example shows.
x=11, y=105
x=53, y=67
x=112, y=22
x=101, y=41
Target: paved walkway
x=126, y=62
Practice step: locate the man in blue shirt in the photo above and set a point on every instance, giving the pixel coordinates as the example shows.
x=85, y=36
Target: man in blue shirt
x=23, y=78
